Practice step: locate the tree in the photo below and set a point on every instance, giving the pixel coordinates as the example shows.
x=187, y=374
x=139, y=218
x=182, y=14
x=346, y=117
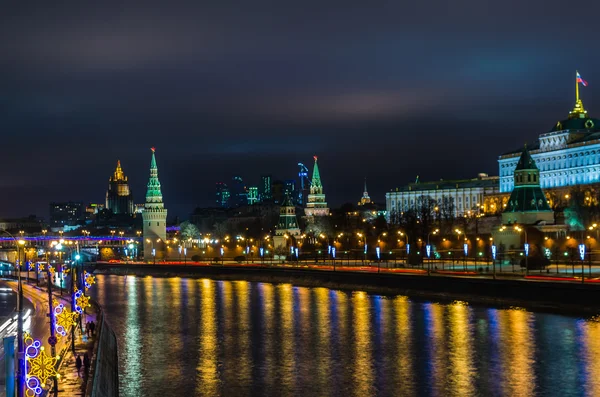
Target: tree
x=188, y=230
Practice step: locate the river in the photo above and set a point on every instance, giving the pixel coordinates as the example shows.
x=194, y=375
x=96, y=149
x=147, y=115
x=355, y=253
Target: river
x=188, y=337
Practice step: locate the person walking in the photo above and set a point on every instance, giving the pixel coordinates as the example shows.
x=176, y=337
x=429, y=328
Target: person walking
x=86, y=363
x=92, y=327
x=78, y=364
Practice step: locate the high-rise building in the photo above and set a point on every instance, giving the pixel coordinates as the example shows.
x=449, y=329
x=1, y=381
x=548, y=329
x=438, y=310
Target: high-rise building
x=66, y=213
x=278, y=192
x=316, y=204
x=266, y=189
x=118, y=196
x=239, y=193
x=365, y=199
x=252, y=195
x=290, y=187
x=223, y=195
x=154, y=215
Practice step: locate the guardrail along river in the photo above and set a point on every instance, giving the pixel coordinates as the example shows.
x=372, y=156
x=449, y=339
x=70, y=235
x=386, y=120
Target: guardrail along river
x=205, y=337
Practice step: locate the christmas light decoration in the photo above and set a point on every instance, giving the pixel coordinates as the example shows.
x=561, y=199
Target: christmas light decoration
x=51, y=270
x=81, y=301
x=39, y=366
x=89, y=280
x=64, y=319
x=31, y=265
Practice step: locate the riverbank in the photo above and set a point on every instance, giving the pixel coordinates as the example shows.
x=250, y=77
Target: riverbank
x=544, y=295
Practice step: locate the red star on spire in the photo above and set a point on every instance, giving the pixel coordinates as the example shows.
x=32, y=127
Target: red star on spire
x=153, y=149
x=315, y=157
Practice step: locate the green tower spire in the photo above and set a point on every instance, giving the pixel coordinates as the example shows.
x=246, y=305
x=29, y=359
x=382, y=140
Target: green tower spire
x=154, y=194
x=316, y=177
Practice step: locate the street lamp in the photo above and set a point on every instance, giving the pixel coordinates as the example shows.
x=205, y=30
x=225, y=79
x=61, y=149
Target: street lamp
x=526, y=246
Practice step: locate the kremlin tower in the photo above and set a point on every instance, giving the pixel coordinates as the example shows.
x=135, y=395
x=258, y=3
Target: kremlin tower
x=316, y=204
x=154, y=216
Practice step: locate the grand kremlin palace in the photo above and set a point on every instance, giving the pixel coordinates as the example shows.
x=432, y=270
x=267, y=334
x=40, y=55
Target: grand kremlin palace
x=567, y=155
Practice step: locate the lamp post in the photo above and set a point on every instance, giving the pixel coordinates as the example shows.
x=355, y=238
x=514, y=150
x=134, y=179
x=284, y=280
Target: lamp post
x=20, y=344
x=429, y=250
x=526, y=246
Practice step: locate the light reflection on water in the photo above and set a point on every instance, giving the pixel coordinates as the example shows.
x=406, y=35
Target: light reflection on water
x=235, y=338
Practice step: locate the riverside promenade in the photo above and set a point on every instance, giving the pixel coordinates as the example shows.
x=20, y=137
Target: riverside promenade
x=70, y=382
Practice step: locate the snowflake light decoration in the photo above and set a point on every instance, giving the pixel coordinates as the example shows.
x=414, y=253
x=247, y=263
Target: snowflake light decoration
x=89, y=280
x=40, y=267
x=81, y=301
x=39, y=366
x=31, y=265
x=51, y=270
x=64, y=319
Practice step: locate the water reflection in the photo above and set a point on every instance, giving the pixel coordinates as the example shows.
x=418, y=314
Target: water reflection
x=232, y=338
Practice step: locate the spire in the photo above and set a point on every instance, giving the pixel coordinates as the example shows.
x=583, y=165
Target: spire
x=365, y=193
x=153, y=194
x=525, y=161
x=316, y=177
x=118, y=175
x=578, y=111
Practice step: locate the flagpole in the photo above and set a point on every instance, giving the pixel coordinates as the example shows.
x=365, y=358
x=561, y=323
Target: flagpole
x=576, y=87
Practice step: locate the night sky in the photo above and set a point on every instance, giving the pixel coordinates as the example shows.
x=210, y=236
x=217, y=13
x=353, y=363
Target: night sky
x=383, y=89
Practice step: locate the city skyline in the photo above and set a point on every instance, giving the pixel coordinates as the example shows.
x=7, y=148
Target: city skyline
x=218, y=91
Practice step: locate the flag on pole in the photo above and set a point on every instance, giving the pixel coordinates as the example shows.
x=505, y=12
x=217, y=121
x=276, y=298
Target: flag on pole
x=580, y=80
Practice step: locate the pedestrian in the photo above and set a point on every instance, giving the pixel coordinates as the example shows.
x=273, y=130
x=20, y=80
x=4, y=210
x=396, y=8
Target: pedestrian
x=78, y=364
x=86, y=363
x=92, y=327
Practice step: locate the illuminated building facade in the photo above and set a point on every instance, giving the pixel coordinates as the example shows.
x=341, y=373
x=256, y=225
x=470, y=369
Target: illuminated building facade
x=252, y=195
x=118, y=196
x=463, y=195
x=154, y=215
x=316, y=205
x=66, y=213
x=223, y=195
x=266, y=190
x=567, y=155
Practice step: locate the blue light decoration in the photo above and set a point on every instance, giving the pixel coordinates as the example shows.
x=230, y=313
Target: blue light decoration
x=39, y=366
x=526, y=249
x=494, y=252
x=88, y=280
x=378, y=252
x=81, y=301
x=329, y=249
x=407, y=249
x=466, y=248
x=262, y=252
x=247, y=250
x=185, y=251
x=296, y=253
x=180, y=250
x=428, y=249
x=365, y=248
x=582, y=251
x=222, y=251
x=153, y=252
x=333, y=252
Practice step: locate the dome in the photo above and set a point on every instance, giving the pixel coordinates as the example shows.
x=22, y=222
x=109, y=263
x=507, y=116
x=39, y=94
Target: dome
x=587, y=124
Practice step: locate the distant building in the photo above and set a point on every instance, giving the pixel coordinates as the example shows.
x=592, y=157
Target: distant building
x=252, y=195
x=154, y=215
x=287, y=227
x=239, y=193
x=365, y=199
x=265, y=191
x=138, y=208
x=278, y=192
x=464, y=195
x=290, y=187
x=316, y=204
x=223, y=195
x=66, y=213
x=118, y=196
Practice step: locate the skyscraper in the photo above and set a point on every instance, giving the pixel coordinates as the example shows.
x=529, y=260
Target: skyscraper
x=154, y=215
x=118, y=196
x=252, y=195
x=223, y=195
x=290, y=187
x=239, y=193
x=316, y=204
x=266, y=188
